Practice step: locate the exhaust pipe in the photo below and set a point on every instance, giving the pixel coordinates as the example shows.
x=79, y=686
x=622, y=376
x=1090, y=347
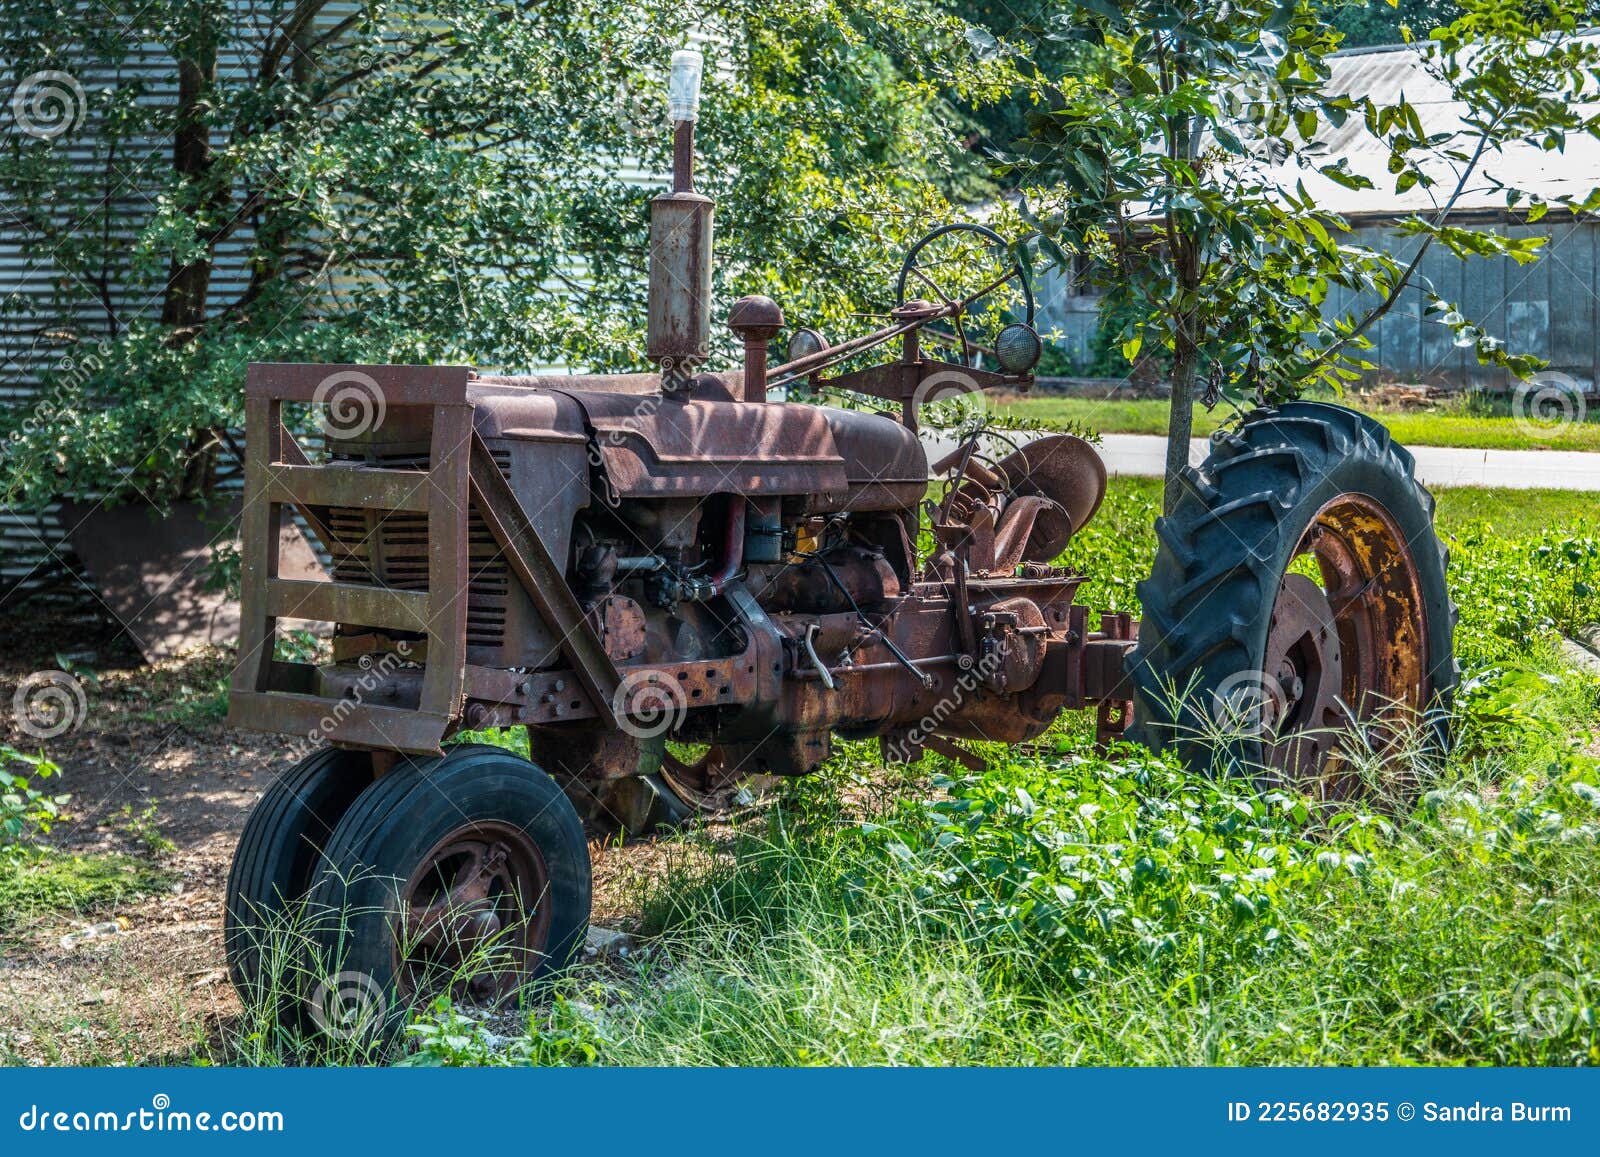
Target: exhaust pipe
x=679, y=328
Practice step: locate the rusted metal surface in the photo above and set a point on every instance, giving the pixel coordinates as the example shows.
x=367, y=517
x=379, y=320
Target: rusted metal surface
x=679, y=329
x=474, y=915
x=755, y=321
x=543, y=579
x=261, y=684
x=1065, y=471
x=1350, y=651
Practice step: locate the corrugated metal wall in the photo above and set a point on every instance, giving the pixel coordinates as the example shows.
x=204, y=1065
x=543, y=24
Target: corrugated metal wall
x=1550, y=308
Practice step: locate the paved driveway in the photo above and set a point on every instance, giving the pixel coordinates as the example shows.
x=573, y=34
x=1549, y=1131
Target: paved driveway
x=1144, y=455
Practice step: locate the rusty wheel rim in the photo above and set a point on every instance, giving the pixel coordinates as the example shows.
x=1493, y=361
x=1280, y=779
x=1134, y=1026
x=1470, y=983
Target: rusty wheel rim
x=474, y=915
x=1350, y=653
x=700, y=776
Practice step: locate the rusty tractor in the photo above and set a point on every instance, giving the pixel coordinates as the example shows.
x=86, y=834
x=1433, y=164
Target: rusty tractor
x=683, y=589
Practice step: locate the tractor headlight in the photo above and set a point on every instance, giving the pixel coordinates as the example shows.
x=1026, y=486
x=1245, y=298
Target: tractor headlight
x=1018, y=348
x=805, y=342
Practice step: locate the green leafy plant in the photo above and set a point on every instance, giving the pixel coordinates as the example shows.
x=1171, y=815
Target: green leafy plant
x=25, y=810
x=563, y=1034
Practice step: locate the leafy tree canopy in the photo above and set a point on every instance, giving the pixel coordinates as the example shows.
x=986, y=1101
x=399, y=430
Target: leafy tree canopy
x=430, y=183
x=1171, y=142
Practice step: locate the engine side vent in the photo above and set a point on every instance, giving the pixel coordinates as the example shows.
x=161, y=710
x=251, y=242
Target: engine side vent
x=390, y=548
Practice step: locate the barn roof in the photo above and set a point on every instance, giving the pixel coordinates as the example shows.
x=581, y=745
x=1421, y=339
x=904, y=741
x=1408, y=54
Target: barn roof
x=1385, y=74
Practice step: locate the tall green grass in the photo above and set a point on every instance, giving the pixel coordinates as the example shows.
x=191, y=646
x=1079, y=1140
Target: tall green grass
x=1074, y=910
x=1069, y=909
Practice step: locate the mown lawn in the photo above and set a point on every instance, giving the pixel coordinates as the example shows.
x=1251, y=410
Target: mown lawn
x=1069, y=909
x=1431, y=428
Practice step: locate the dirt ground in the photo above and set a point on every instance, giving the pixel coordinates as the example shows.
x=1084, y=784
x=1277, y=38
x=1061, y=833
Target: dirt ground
x=156, y=992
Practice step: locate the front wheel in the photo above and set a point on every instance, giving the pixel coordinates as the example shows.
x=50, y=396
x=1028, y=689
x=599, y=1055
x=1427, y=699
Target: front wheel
x=466, y=874
x=1297, y=625
x=278, y=854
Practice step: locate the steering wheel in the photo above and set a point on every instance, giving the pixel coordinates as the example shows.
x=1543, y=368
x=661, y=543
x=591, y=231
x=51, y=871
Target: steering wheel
x=927, y=269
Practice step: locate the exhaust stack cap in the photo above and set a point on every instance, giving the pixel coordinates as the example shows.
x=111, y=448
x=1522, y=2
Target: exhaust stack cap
x=683, y=91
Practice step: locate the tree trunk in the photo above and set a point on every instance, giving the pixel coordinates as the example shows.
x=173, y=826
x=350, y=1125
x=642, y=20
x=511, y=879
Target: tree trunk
x=1183, y=141
x=1180, y=416
x=183, y=305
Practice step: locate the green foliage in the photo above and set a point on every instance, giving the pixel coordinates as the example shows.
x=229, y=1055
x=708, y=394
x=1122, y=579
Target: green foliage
x=25, y=811
x=1105, y=865
x=1171, y=145
x=565, y=1034
x=1116, y=549
x=1209, y=246
x=143, y=827
x=1371, y=22
x=1512, y=593
x=434, y=183
x=1086, y=925
x=39, y=881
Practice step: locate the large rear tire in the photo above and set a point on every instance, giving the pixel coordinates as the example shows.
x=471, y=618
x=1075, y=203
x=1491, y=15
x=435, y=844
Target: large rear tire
x=1244, y=665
